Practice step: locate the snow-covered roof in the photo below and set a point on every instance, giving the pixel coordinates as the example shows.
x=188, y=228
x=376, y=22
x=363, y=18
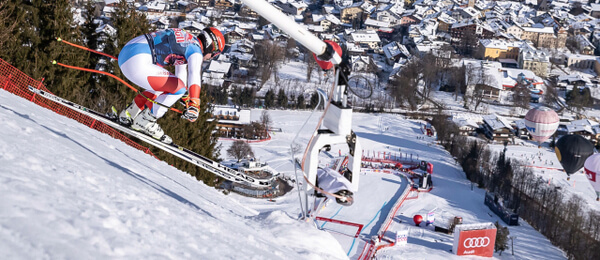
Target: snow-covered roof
x=219, y=66
x=496, y=122
x=394, y=49
x=539, y=29
x=365, y=36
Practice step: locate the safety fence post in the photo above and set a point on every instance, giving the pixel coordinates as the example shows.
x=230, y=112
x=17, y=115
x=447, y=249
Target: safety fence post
x=38, y=87
x=7, y=80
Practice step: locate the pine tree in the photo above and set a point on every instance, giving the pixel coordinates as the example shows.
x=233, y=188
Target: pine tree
x=301, y=102
x=90, y=91
x=33, y=43
x=199, y=136
x=282, y=99
x=129, y=24
x=270, y=99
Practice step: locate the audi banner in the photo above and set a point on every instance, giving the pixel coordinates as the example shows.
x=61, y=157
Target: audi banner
x=474, y=239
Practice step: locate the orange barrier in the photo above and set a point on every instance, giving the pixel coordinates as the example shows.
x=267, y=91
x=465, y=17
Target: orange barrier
x=16, y=82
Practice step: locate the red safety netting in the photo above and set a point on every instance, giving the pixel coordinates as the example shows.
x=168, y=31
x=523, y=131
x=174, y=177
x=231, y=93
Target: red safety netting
x=17, y=82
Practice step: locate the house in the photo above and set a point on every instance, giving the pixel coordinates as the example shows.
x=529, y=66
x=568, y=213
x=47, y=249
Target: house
x=583, y=127
x=154, y=6
x=493, y=49
x=410, y=19
x=160, y=22
x=545, y=37
x=292, y=7
x=223, y=4
x=467, y=124
x=483, y=77
x=216, y=72
x=521, y=129
x=351, y=13
x=366, y=38
x=390, y=14
x=497, y=128
x=192, y=26
x=470, y=32
x=235, y=35
x=595, y=10
x=584, y=45
x=360, y=62
x=580, y=61
x=371, y=24
x=537, y=61
x=445, y=22
x=394, y=51
x=231, y=120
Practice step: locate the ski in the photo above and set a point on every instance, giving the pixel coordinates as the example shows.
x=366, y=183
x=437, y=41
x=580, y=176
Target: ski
x=172, y=148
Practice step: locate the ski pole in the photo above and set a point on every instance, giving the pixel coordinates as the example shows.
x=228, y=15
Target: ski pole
x=117, y=78
x=86, y=48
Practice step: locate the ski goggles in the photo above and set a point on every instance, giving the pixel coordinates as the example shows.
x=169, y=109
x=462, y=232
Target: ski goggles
x=215, y=46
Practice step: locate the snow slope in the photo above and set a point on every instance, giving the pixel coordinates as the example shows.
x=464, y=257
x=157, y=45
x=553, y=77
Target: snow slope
x=70, y=192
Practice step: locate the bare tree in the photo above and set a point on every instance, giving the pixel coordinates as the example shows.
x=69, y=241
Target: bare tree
x=521, y=96
x=239, y=150
x=311, y=65
x=551, y=94
x=265, y=121
x=270, y=54
x=404, y=87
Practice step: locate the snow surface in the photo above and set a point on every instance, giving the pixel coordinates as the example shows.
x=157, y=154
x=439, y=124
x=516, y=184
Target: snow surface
x=71, y=192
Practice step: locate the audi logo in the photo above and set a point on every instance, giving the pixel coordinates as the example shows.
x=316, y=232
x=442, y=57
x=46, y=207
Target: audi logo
x=474, y=242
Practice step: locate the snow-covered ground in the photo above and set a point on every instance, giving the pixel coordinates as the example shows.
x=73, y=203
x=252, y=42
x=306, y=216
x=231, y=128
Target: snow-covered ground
x=70, y=192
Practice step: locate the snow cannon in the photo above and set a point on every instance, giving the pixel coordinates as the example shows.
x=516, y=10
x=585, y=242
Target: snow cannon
x=418, y=219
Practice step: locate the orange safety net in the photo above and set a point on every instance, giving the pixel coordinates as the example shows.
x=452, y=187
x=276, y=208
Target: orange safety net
x=17, y=82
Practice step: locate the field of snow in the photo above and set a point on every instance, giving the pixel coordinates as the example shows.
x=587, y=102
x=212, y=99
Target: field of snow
x=71, y=192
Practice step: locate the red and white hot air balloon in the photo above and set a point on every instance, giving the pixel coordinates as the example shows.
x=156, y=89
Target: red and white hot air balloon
x=592, y=171
x=541, y=123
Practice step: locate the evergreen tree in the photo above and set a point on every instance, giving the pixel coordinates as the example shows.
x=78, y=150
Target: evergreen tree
x=199, y=136
x=7, y=24
x=128, y=24
x=501, y=238
x=247, y=97
x=282, y=99
x=90, y=91
x=301, y=102
x=33, y=43
x=270, y=99
x=235, y=95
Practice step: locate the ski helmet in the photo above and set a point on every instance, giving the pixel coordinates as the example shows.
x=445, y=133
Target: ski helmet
x=212, y=40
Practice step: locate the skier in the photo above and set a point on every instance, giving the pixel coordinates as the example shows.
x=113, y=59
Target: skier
x=142, y=60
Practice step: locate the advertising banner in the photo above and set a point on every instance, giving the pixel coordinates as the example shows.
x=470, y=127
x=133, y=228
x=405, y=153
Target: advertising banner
x=402, y=237
x=479, y=242
x=430, y=217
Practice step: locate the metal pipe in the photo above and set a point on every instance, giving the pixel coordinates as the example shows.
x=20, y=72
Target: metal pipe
x=293, y=29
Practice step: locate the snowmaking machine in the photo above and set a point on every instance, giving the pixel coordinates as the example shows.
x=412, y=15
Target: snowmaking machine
x=335, y=125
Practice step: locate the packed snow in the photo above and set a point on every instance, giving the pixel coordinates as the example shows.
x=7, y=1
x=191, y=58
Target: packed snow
x=71, y=192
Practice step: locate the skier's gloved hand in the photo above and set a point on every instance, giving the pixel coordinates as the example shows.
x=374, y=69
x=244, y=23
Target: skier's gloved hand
x=192, y=109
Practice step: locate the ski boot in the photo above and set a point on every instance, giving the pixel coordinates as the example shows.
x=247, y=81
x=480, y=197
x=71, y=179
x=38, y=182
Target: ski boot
x=146, y=123
x=127, y=116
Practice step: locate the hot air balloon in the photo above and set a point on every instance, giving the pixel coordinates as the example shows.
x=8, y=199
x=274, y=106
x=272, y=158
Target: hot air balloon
x=541, y=123
x=592, y=171
x=572, y=151
x=418, y=219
